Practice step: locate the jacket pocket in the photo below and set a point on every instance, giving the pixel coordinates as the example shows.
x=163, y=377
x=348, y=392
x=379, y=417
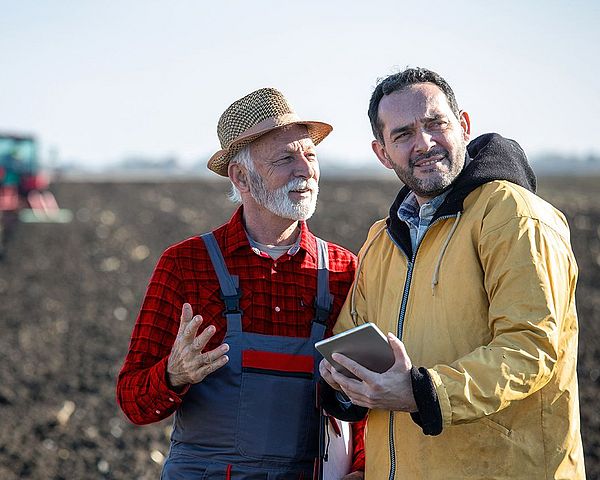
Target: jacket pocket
x=496, y=426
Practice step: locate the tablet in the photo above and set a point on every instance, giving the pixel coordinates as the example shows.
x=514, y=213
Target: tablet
x=365, y=344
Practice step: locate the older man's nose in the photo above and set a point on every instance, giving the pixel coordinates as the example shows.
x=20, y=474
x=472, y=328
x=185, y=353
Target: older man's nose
x=305, y=167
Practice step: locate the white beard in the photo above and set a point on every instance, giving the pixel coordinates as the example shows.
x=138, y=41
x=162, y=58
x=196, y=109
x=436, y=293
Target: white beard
x=278, y=201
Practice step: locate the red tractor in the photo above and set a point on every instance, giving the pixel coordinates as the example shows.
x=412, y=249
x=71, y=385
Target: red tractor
x=24, y=193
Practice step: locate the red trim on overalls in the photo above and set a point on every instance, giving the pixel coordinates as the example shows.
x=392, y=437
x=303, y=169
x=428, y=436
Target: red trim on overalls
x=281, y=362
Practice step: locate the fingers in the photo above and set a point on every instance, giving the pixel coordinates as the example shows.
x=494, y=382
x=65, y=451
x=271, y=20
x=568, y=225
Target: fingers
x=187, y=362
x=390, y=390
x=355, y=368
x=189, y=333
x=214, y=366
x=209, y=362
x=186, y=317
x=325, y=370
x=402, y=358
x=352, y=388
x=324, y=367
x=188, y=325
x=358, y=391
x=345, y=383
x=212, y=356
x=200, y=342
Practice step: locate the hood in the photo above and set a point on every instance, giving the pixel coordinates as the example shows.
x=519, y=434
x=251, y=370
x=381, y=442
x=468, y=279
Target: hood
x=493, y=157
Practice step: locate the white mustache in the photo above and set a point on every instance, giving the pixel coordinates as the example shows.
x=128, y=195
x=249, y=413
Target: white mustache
x=302, y=184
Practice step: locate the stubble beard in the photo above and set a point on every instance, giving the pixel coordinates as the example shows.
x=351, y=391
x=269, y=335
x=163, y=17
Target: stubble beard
x=279, y=202
x=435, y=182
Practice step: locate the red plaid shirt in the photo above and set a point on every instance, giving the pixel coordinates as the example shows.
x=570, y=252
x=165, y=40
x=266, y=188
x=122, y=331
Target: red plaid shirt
x=277, y=299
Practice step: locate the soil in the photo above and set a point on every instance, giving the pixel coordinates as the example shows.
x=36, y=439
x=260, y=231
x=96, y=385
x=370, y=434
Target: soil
x=69, y=294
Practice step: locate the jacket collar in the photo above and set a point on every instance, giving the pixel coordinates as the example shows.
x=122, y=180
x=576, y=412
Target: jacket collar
x=492, y=157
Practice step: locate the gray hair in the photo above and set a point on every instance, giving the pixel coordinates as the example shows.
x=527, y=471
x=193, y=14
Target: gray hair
x=243, y=158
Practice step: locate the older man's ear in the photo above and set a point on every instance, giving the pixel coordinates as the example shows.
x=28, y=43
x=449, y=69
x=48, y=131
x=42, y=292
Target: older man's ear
x=238, y=177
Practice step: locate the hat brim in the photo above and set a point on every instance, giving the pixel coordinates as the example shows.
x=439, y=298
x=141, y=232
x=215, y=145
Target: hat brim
x=219, y=162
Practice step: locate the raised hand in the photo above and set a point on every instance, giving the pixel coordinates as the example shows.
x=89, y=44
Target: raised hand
x=188, y=363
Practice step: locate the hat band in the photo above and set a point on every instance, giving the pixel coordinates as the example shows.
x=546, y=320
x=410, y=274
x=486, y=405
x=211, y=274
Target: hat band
x=267, y=124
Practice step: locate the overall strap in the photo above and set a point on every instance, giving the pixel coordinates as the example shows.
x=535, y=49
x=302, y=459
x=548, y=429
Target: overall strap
x=324, y=299
x=230, y=291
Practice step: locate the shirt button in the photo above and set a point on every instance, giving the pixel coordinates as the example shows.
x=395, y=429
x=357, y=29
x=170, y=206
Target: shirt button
x=157, y=412
x=277, y=309
x=275, y=265
x=171, y=399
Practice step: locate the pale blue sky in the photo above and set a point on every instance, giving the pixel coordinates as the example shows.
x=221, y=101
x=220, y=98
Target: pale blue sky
x=101, y=80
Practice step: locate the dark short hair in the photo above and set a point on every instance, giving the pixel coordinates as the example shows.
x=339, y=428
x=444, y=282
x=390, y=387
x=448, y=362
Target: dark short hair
x=399, y=81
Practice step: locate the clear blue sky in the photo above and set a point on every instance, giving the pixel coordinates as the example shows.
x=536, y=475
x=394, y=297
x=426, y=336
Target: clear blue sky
x=102, y=80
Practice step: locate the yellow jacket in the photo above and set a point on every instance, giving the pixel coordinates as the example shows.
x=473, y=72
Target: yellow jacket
x=487, y=305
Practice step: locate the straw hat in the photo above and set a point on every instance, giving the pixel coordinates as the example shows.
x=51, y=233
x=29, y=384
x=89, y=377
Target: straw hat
x=252, y=116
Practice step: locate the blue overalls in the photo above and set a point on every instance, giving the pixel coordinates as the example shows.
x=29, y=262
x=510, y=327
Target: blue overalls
x=256, y=417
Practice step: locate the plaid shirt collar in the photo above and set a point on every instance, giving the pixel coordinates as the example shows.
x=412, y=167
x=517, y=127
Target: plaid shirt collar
x=236, y=237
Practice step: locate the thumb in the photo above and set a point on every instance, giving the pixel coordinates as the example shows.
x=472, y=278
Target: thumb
x=402, y=358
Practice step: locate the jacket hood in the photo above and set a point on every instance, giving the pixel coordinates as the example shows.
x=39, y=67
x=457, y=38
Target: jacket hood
x=493, y=157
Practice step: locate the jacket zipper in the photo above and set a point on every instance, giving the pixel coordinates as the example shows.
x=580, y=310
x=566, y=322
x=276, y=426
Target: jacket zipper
x=409, y=271
x=399, y=334
x=400, y=328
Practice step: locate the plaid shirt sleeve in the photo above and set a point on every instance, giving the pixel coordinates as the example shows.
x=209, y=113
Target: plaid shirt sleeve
x=142, y=389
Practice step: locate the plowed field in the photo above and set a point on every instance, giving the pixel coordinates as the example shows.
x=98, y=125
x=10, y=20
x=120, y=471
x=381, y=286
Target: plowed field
x=69, y=296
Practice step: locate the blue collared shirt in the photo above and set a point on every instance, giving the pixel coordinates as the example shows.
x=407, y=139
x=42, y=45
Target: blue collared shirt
x=418, y=218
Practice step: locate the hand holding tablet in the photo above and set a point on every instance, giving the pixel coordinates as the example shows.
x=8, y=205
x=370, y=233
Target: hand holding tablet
x=365, y=344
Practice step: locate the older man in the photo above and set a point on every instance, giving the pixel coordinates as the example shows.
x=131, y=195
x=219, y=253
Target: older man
x=225, y=335
x=475, y=274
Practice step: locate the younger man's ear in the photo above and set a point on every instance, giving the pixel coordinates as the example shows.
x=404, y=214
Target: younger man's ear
x=465, y=124
x=381, y=154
